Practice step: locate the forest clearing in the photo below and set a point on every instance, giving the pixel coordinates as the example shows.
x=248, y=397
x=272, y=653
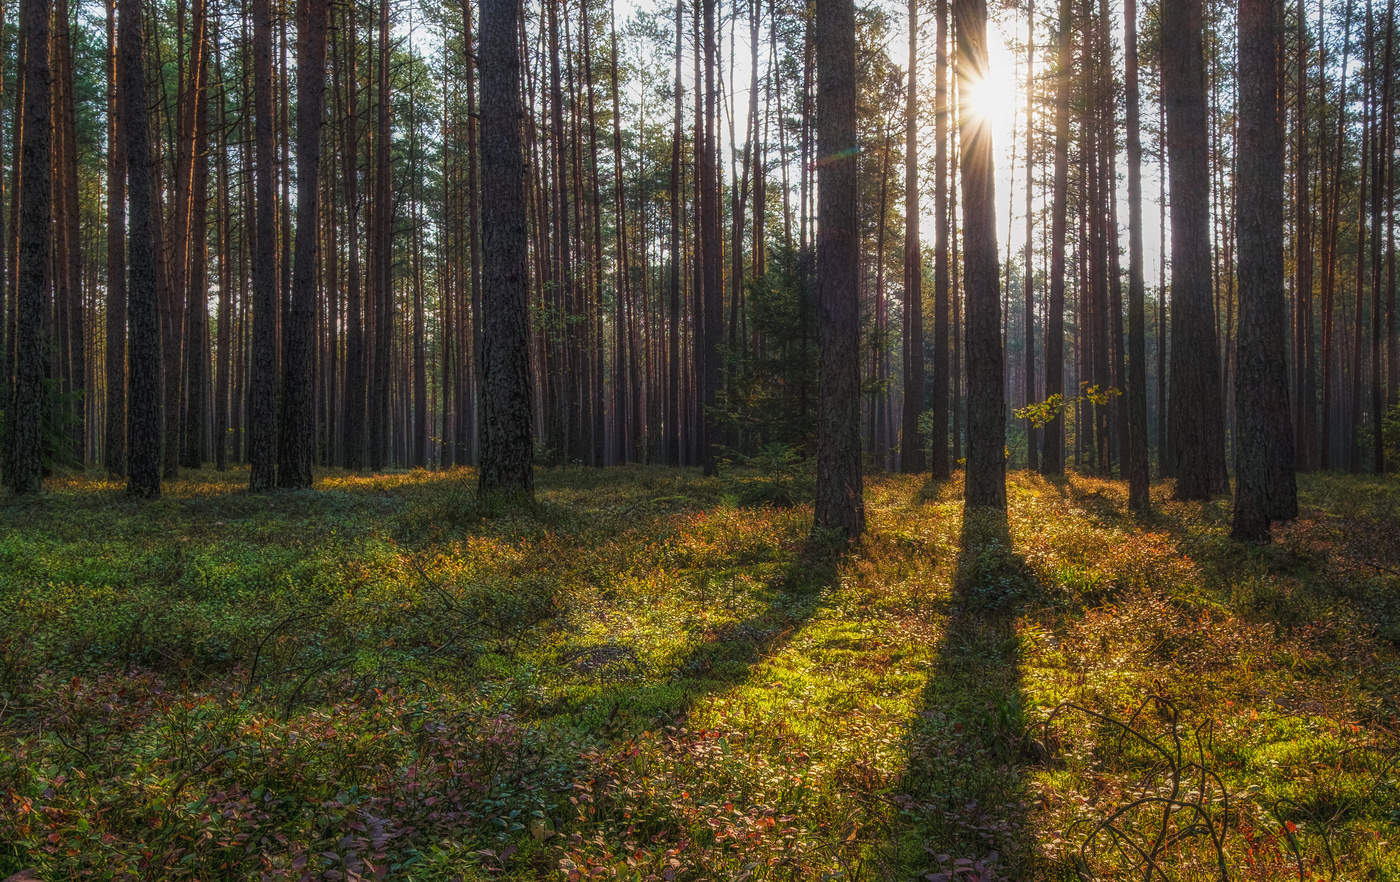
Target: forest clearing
x=651, y=676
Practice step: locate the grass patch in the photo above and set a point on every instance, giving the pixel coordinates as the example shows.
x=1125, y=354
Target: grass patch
x=649, y=676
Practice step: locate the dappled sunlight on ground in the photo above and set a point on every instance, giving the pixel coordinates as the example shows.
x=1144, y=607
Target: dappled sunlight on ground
x=651, y=675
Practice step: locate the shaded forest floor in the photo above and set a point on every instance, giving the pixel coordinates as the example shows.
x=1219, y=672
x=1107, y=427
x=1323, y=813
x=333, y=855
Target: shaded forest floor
x=649, y=677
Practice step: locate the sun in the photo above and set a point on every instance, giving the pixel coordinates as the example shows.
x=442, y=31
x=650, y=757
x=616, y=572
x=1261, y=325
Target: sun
x=992, y=97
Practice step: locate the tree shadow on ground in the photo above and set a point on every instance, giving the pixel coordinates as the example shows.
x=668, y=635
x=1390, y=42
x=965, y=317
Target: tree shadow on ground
x=963, y=795
x=721, y=660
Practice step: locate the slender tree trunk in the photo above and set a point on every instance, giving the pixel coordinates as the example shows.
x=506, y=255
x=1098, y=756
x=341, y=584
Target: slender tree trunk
x=1135, y=454
x=196, y=293
x=940, y=466
x=839, y=504
x=262, y=417
x=1052, y=461
x=1028, y=317
x=298, y=422
x=1304, y=367
x=911, y=458
x=380, y=405
x=222, y=378
x=1381, y=190
x=143, y=425
x=114, y=451
x=673, y=329
x=712, y=294
x=1329, y=264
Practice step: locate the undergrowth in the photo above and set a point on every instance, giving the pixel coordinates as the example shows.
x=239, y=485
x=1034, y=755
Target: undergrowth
x=650, y=676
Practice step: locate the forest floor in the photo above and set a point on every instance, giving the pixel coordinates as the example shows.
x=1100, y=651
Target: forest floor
x=650, y=677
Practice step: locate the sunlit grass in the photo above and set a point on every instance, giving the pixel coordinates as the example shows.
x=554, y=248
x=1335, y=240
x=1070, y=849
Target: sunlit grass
x=647, y=677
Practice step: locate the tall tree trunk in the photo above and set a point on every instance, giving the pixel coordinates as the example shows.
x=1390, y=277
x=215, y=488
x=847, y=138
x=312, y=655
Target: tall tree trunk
x=26, y=411
x=352, y=416
x=262, y=417
x=1304, y=361
x=1028, y=317
x=298, y=422
x=840, y=507
x=1382, y=191
x=1052, y=460
x=940, y=466
x=1332, y=221
x=673, y=329
x=1196, y=412
x=380, y=405
x=222, y=378
x=114, y=451
x=143, y=426
x=1135, y=454
x=911, y=458
x=196, y=293
x=1265, y=490
x=986, y=411
x=712, y=294
x=70, y=254
x=506, y=442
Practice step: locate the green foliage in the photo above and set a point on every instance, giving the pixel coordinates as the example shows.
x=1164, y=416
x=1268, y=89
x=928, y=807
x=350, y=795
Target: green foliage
x=649, y=674
x=772, y=392
x=1390, y=432
x=1040, y=413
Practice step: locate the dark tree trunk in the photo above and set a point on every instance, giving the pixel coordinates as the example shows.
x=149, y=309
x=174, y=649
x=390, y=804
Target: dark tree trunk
x=1052, y=460
x=114, y=451
x=262, y=417
x=940, y=466
x=986, y=412
x=196, y=291
x=1028, y=317
x=26, y=411
x=1196, y=412
x=840, y=507
x=382, y=263
x=352, y=416
x=1304, y=360
x=911, y=456
x=710, y=254
x=506, y=442
x=1264, y=484
x=673, y=398
x=143, y=426
x=222, y=378
x=298, y=423
x=1135, y=454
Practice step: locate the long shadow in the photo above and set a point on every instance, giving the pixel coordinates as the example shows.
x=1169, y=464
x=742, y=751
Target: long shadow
x=963, y=795
x=724, y=659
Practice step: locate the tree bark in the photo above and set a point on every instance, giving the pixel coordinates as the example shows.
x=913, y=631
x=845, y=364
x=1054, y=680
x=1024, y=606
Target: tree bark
x=262, y=417
x=940, y=466
x=986, y=413
x=1196, y=412
x=114, y=450
x=839, y=507
x=1135, y=454
x=1265, y=489
x=143, y=427
x=506, y=442
x=298, y=423
x=1052, y=460
x=26, y=412
x=911, y=457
